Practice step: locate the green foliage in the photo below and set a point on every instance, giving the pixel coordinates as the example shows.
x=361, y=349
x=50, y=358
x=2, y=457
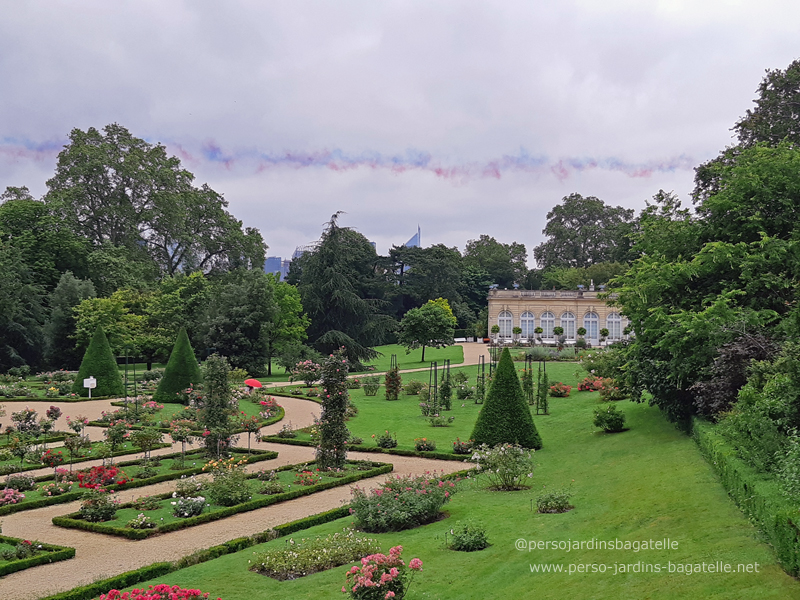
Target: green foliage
x=307, y=556
x=401, y=502
x=506, y=466
x=554, y=501
x=431, y=325
x=59, y=330
x=181, y=372
x=469, y=537
x=333, y=432
x=505, y=416
x=609, y=419
x=99, y=362
x=214, y=416
x=98, y=505
x=502, y=264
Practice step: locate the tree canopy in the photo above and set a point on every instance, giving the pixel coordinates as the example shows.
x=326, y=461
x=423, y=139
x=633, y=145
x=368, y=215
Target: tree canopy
x=431, y=325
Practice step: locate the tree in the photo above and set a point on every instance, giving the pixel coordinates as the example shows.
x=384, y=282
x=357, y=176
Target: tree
x=47, y=246
x=505, y=264
x=59, y=330
x=566, y=278
x=776, y=116
x=21, y=312
x=289, y=323
x=342, y=294
x=505, y=417
x=215, y=414
x=117, y=189
x=430, y=325
x=583, y=231
x=98, y=362
x=181, y=372
x=114, y=314
x=241, y=308
x=333, y=433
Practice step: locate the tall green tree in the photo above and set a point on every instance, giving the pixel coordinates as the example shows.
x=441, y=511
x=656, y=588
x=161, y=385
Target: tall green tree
x=504, y=263
x=288, y=324
x=431, y=325
x=583, y=231
x=181, y=372
x=98, y=362
x=240, y=311
x=116, y=189
x=21, y=311
x=60, y=328
x=342, y=294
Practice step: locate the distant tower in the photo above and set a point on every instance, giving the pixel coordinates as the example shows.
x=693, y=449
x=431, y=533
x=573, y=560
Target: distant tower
x=415, y=241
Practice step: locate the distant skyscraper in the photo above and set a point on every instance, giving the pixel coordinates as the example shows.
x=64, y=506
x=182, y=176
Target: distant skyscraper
x=274, y=264
x=415, y=241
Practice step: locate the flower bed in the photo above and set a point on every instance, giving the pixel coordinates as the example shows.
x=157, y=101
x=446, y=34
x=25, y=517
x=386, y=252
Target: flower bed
x=166, y=520
x=31, y=554
x=194, y=462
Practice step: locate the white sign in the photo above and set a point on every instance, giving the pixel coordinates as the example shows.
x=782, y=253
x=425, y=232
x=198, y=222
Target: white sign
x=90, y=383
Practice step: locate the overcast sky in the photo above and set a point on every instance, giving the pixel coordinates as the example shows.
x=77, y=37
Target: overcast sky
x=462, y=117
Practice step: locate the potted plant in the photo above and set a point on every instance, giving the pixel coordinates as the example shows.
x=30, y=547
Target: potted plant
x=603, y=335
x=559, y=333
x=495, y=330
x=538, y=331
x=516, y=331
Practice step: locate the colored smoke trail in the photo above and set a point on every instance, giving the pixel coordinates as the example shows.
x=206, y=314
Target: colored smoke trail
x=412, y=160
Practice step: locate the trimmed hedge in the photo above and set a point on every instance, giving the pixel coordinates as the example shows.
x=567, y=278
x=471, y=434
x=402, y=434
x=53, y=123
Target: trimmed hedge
x=371, y=449
x=132, y=578
x=99, y=362
x=758, y=495
x=505, y=417
x=255, y=456
x=181, y=372
x=49, y=554
x=71, y=521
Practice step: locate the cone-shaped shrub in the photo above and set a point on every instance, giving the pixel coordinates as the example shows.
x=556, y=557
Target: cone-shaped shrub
x=182, y=370
x=99, y=362
x=505, y=417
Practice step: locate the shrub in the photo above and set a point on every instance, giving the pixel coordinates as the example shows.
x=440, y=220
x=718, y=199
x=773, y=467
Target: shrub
x=610, y=390
x=228, y=486
x=609, y=419
x=505, y=416
x=333, y=433
x=401, y=502
x=99, y=362
x=371, y=385
x=460, y=447
x=155, y=592
x=100, y=477
x=306, y=556
x=188, y=507
x=590, y=384
x=146, y=503
x=354, y=383
x=98, y=505
x=23, y=549
x=393, y=383
x=182, y=370
x=306, y=478
x=355, y=440
x=381, y=577
x=386, y=440
x=560, y=390
x=505, y=465
x=286, y=431
x=469, y=537
x=413, y=387
x=438, y=421
x=186, y=487
x=152, y=375
x=56, y=489
x=424, y=445
x=605, y=363
x=556, y=501
x=21, y=482
x=271, y=487
x=307, y=371
x=141, y=521
x=10, y=496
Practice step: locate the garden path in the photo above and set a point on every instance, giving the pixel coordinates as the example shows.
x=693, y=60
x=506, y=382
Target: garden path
x=99, y=556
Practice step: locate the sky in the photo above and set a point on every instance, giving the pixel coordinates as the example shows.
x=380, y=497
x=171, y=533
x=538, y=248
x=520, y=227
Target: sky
x=460, y=117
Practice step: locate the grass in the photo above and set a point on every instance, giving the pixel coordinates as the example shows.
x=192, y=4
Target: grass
x=647, y=483
x=414, y=359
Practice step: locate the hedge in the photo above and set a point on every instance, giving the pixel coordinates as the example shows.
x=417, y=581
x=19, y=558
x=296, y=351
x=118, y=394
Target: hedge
x=758, y=495
x=371, y=449
x=49, y=554
x=72, y=520
x=255, y=456
x=137, y=576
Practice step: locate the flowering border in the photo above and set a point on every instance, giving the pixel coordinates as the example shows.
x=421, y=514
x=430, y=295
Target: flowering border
x=49, y=554
x=73, y=520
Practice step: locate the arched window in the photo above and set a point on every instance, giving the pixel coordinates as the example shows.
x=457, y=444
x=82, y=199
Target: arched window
x=568, y=323
x=590, y=323
x=614, y=326
x=548, y=322
x=527, y=323
x=505, y=321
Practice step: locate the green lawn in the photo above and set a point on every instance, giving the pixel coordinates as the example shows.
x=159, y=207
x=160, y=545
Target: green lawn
x=414, y=359
x=646, y=483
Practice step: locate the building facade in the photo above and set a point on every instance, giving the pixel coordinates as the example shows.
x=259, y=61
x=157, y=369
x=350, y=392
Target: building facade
x=548, y=309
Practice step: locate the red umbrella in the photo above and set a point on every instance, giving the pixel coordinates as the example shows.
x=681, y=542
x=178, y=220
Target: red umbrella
x=253, y=383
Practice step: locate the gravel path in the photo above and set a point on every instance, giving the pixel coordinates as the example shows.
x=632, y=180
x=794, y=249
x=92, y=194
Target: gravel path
x=99, y=556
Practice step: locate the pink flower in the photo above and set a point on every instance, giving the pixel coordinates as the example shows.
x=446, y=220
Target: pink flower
x=389, y=594
x=415, y=564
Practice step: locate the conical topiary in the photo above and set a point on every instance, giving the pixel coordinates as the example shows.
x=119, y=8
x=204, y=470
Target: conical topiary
x=182, y=370
x=505, y=417
x=98, y=362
